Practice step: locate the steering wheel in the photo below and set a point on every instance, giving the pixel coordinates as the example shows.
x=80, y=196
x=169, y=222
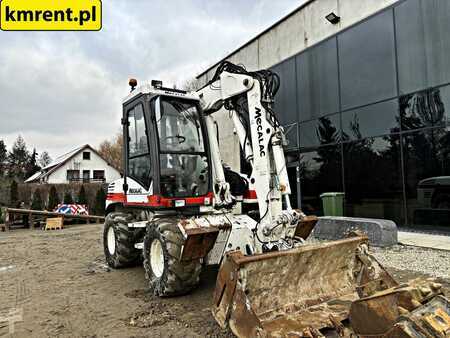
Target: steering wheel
x=181, y=139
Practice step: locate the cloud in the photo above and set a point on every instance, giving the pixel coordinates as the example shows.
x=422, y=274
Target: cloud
x=63, y=89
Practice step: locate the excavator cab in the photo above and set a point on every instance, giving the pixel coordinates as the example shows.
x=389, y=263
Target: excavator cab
x=166, y=152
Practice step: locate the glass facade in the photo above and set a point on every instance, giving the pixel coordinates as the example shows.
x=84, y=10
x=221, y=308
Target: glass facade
x=367, y=113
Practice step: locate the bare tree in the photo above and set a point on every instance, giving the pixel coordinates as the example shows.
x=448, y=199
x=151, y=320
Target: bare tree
x=44, y=159
x=111, y=151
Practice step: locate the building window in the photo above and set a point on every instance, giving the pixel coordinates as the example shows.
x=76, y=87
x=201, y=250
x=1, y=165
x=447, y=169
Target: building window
x=427, y=176
x=99, y=175
x=424, y=109
x=367, y=70
x=320, y=171
x=286, y=92
x=423, y=44
x=373, y=181
x=374, y=120
x=86, y=155
x=317, y=81
x=325, y=130
x=86, y=175
x=73, y=175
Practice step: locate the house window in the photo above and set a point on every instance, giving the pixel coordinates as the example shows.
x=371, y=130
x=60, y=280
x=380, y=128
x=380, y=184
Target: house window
x=99, y=175
x=73, y=175
x=86, y=155
x=86, y=175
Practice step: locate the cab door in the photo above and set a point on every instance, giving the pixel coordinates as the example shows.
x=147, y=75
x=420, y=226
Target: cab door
x=137, y=157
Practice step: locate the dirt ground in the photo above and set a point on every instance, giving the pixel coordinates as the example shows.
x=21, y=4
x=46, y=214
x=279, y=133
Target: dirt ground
x=58, y=284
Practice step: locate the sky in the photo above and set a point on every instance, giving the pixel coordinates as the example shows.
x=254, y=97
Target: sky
x=59, y=90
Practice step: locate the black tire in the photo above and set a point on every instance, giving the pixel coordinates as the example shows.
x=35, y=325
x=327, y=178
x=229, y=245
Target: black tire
x=178, y=277
x=125, y=254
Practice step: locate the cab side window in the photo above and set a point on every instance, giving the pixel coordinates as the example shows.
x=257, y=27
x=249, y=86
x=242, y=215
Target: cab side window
x=139, y=166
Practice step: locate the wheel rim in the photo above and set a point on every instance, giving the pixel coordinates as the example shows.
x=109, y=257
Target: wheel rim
x=111, y=241
x=157, y=258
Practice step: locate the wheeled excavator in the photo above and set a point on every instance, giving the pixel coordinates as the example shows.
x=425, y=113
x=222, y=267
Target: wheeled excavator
x=174, y=210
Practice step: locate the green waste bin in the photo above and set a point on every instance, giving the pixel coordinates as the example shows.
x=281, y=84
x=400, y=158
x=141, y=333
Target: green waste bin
x=333, y=203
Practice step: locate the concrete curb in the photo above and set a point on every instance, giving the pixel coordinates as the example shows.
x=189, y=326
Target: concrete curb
x=381, y=232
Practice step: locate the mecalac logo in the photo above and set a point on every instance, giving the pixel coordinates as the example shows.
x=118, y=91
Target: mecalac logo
x=259, y=130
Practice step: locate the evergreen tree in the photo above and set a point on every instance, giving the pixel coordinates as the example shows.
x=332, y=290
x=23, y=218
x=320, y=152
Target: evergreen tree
x=82, y=199
x=32, y=167
x=17, y=159
x=68, y=198
x=13, y=195
x=3, y=158
x=53, y=199
x=100, y=199
x=36, y=202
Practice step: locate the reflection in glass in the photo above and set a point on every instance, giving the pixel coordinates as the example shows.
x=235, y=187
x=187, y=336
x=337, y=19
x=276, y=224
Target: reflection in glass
x=325, y=130
x=374, y=120
x=291, y=134
x=320, y=171
x=373, y=183
x=292, y=175
x=136, y=132
x=423, y=44
x=427, y=176
x=140, y=169
x=139, y=164
x=317, y=81
x=285, y=100
x=367, y=61
x=423, y=109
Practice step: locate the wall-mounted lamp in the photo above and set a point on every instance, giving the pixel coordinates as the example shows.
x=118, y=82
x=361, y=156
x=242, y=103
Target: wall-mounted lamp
x=333, y=18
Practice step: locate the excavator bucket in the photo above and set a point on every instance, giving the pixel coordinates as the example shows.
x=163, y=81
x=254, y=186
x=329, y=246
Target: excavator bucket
x=316, y=291
x=297, y=292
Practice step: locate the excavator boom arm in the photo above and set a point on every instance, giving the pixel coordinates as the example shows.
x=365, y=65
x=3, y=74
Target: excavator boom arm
x=263, y=149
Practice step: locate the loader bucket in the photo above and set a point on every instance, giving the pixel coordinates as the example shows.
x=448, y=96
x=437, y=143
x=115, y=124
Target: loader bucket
x=403, y=311
x=300, y=292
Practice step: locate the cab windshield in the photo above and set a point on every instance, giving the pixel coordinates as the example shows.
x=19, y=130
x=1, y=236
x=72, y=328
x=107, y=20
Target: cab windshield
x=183, y=160
x=179, y=127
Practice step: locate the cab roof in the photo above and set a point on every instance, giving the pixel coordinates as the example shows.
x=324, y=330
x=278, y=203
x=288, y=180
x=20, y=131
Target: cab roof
x=149, y=89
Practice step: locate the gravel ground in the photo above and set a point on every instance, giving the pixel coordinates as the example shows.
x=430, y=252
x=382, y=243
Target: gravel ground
x=435, y=263
x=58, y=282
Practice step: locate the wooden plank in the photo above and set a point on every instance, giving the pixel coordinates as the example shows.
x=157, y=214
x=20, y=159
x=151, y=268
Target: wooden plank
x=54, y=223
x=51, y=213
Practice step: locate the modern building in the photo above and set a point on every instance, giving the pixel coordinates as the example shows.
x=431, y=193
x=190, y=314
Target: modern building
x=83, y=164
x=365, y=98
